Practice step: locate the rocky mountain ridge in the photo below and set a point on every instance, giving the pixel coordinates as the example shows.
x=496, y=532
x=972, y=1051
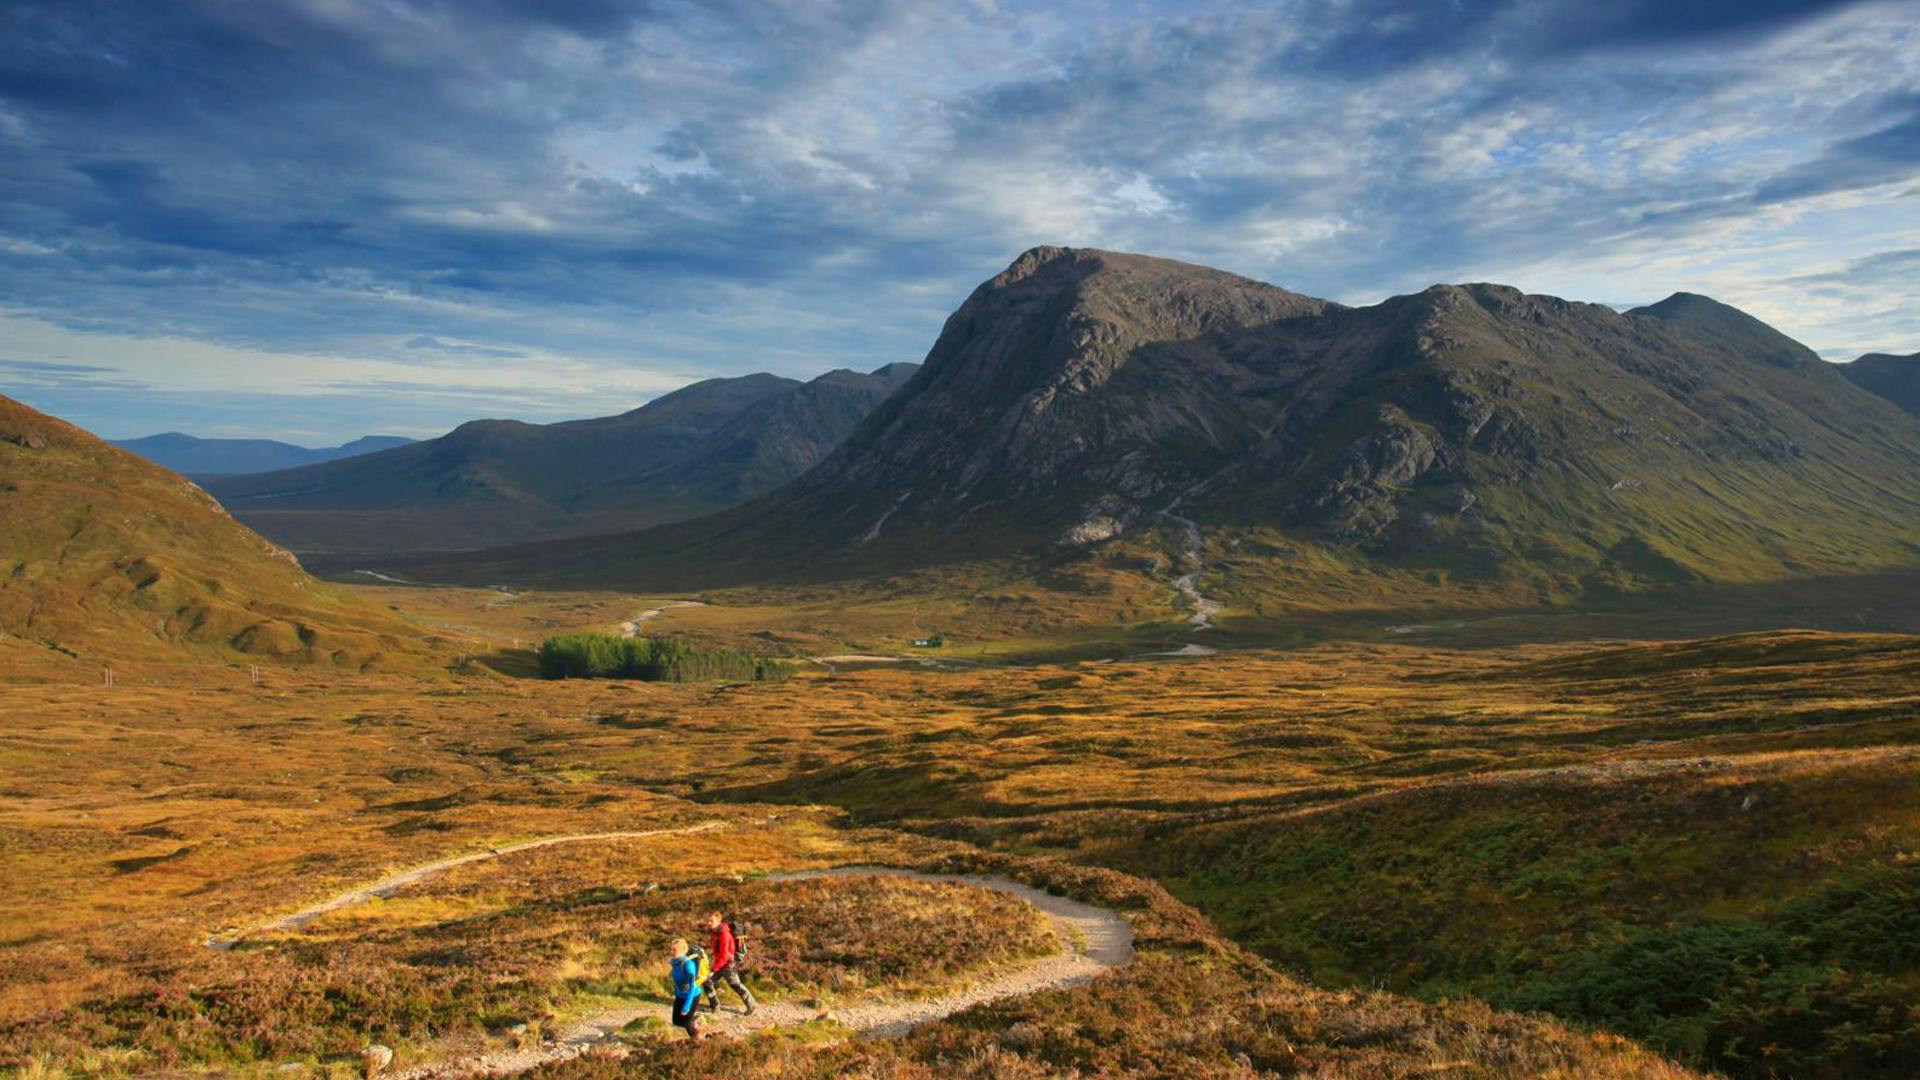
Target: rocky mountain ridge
x=1462, y=433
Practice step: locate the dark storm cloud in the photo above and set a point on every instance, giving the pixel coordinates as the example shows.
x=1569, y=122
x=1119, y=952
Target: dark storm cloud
x=717, y=187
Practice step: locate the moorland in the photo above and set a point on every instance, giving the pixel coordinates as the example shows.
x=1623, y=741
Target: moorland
x=1708, y=847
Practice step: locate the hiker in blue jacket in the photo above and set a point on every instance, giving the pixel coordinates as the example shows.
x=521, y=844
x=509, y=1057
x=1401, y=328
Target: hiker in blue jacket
x=686, y=989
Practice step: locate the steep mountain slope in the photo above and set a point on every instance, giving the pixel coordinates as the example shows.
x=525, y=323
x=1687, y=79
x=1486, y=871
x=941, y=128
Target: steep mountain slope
x=1522, y=448
x=225, y=457
x=1896, y=378
x=106, y=556
x=702, y=448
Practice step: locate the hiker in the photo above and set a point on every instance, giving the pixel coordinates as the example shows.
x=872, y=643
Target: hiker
x=685, y=969
x=723, y=946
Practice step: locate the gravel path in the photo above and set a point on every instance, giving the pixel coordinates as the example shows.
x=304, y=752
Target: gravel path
x=631, y=628
x=386, y=887
x=1092, y=940
x=1188, y=584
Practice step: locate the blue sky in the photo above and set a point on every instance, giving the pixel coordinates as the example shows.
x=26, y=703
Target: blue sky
x=313, y=219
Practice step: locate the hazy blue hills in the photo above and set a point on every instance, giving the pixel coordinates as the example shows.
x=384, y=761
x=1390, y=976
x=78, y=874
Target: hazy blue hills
x=697, y=450
x=226, y=457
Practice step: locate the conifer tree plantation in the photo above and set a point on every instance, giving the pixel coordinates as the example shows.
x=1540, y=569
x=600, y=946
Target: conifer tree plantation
x=588, y=655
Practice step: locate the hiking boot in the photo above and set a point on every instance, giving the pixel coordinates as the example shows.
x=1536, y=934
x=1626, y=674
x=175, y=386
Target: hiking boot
x=749, y=1004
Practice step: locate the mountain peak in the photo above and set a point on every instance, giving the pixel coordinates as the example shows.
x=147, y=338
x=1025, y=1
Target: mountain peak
x=1685, y=305
x=1065, y=266
x=1033, y=259
x=1705, y=318
x=1110, y=386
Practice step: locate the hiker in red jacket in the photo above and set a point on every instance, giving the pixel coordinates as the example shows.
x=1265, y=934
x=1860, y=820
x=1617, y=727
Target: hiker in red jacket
x=723, y=944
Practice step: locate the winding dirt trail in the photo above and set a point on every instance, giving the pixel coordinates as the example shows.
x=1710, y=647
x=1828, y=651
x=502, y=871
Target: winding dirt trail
x=631, y=628
x=387, y=886
x=1092, y=940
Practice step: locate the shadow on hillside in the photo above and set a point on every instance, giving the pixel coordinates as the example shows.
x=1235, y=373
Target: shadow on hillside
x=513, y=663
x=1867, y=603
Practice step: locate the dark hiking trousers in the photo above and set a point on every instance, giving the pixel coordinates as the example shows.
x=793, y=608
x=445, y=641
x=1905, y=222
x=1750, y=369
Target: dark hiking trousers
x=730, y=975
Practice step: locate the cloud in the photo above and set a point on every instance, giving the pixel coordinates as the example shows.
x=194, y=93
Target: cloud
x=366, y=195
x=1873, y=268
x=461, y=348
x=1885, y=155
x=28, y=375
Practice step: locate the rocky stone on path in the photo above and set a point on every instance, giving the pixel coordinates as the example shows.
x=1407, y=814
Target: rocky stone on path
x=610, y=1049
x=376, y=1058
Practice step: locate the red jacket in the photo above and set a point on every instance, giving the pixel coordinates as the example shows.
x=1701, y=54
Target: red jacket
x=721, y=946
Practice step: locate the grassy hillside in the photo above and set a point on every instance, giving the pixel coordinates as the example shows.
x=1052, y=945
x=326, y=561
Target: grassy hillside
x=1759, y=919
x=105, y=556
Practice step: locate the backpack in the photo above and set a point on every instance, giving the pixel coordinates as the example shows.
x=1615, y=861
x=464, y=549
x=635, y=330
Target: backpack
x=703, y=969
x=739, y=942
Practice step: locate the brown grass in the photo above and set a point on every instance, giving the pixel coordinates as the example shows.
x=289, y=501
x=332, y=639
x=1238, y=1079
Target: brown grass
x=134, y=821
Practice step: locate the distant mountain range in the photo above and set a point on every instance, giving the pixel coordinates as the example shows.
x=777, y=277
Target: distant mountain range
x=222, y=457
x=702, y=448
x=107, y=556
x=1896, y=378
x=1469, y=442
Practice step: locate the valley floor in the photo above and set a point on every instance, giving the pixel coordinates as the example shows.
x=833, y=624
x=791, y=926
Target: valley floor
x=1699, y=854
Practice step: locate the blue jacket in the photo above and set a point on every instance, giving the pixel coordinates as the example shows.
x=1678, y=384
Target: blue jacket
x=686, y=982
